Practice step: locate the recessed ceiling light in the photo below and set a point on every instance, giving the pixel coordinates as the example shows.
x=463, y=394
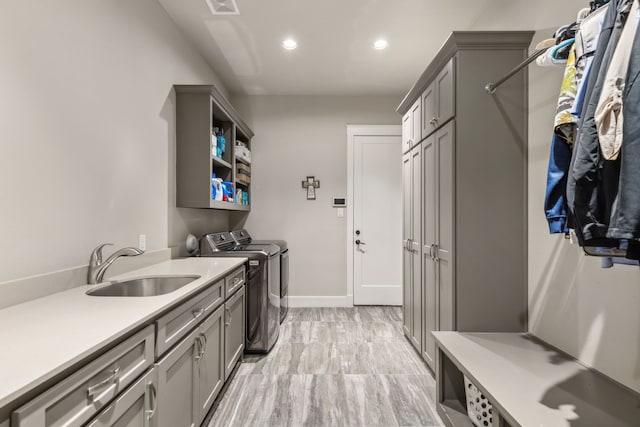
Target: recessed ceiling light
x=380, y=44
x=289, y=44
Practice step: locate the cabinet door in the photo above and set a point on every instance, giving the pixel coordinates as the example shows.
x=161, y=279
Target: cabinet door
x=429, y=184
x=135, y=407
x=177, y=382
x=416, y=246
x=211, y=364
x=445, y=140
x=416, y=120
x=234, y=330
x=445, y=96
x=407, y=292
x=407, y=128
x=428, y=110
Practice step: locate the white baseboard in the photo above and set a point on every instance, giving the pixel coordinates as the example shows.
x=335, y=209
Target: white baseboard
x=317, y=301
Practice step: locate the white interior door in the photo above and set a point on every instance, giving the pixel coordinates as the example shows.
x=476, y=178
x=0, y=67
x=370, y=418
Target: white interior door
x=377, y=220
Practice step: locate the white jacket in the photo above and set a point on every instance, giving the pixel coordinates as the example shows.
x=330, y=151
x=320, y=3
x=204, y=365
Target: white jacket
x=608, y=114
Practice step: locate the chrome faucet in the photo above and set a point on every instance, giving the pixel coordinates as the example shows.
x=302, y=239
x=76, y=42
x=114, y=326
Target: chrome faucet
x=97, y=268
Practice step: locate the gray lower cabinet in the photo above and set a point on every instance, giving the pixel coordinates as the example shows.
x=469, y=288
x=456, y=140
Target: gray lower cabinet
x=437, y=226
x=211, y=372
x=76, y=399
x=234, y=333
x=199, y=365
x=199, y=342
x=135, y=407
x=177, y=382
x=412, y=236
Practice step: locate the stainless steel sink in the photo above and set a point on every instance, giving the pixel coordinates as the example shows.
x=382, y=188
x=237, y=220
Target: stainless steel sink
x=143, y=287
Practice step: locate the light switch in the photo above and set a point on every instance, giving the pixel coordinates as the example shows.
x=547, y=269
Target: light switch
x=340, y=212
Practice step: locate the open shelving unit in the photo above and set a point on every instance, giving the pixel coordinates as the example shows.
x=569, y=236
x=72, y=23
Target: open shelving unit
x=200, y=109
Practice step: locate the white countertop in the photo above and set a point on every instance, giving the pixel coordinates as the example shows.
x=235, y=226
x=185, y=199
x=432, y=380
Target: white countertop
x=41, y=338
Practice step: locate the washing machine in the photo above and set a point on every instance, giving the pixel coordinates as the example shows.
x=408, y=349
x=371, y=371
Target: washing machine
x=262, y=287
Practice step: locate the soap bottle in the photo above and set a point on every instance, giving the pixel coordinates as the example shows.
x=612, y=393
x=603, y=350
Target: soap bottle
x=222, y=142
x=214, y=142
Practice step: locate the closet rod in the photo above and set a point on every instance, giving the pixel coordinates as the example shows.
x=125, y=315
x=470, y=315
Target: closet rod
x=491, y=87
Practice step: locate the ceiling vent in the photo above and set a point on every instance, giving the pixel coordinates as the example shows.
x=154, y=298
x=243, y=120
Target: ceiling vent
x=223, y=7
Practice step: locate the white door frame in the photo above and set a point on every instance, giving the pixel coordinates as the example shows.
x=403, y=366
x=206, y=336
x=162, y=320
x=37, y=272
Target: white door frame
x=352, y=132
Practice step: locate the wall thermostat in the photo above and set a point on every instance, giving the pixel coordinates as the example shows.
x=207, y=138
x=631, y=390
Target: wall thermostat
x=339, y=202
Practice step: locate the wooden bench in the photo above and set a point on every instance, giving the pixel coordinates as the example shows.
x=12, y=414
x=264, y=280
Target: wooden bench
x=528, y=382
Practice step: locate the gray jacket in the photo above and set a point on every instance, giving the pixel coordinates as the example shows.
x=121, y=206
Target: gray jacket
x=588, y=201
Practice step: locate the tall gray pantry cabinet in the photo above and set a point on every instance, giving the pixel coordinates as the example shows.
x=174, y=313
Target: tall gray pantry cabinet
x=465, y=191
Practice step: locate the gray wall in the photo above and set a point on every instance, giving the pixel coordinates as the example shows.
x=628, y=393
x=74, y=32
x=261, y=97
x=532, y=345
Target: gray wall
x=87, y=125
x=589, y=312
x=298, y=136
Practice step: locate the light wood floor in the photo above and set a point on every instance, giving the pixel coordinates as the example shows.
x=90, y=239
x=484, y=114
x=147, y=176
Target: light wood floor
x=333, y=367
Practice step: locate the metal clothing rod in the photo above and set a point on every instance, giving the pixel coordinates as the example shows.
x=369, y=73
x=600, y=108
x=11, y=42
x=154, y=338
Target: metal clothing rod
x=491, y=87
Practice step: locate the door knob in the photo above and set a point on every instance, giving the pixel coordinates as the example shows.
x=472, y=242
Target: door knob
x=358, y=242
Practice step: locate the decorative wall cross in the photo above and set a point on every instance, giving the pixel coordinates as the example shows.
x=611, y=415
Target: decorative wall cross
x=311, y=184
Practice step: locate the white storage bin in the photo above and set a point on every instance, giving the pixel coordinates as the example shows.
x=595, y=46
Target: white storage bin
x=478, y=407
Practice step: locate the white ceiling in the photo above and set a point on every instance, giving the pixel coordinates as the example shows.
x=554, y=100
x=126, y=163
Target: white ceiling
x=335, y=37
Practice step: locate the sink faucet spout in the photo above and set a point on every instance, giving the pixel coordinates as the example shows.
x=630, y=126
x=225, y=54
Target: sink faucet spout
x=97, y=267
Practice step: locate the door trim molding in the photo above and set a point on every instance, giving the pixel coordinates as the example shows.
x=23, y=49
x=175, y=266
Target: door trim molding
x=352, y=132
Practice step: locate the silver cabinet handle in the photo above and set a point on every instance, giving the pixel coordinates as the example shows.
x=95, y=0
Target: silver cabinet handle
x=200, y=350
x=431, y=251
x=435, y=253
x=111, y=379
x=204, y=338
x=198, y=312
x=227, y=316
x=153, y=403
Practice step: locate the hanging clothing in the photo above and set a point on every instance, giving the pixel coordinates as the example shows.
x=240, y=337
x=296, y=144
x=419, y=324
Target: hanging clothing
x=586, y=44
x=587, y=176
x=625, y=216
x=555, y=203
x=608, y=114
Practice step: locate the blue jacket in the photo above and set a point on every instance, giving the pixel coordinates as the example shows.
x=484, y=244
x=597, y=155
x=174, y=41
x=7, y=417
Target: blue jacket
x=555, y=202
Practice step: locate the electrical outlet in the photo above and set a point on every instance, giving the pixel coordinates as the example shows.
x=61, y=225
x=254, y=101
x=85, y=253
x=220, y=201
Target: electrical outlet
x=142, y=242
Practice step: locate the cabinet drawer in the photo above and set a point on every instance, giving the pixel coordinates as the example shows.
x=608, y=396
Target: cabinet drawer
x=134, y=407
x=233, y=282
x=77, y=398
x=178, y=322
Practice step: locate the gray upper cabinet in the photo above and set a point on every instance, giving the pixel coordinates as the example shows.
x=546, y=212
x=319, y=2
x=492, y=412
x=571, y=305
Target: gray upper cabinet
x=199, y=110
x=411, y=122
x=407, y=131
x=234, y=330
x=474, y=202
x=438, y=100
